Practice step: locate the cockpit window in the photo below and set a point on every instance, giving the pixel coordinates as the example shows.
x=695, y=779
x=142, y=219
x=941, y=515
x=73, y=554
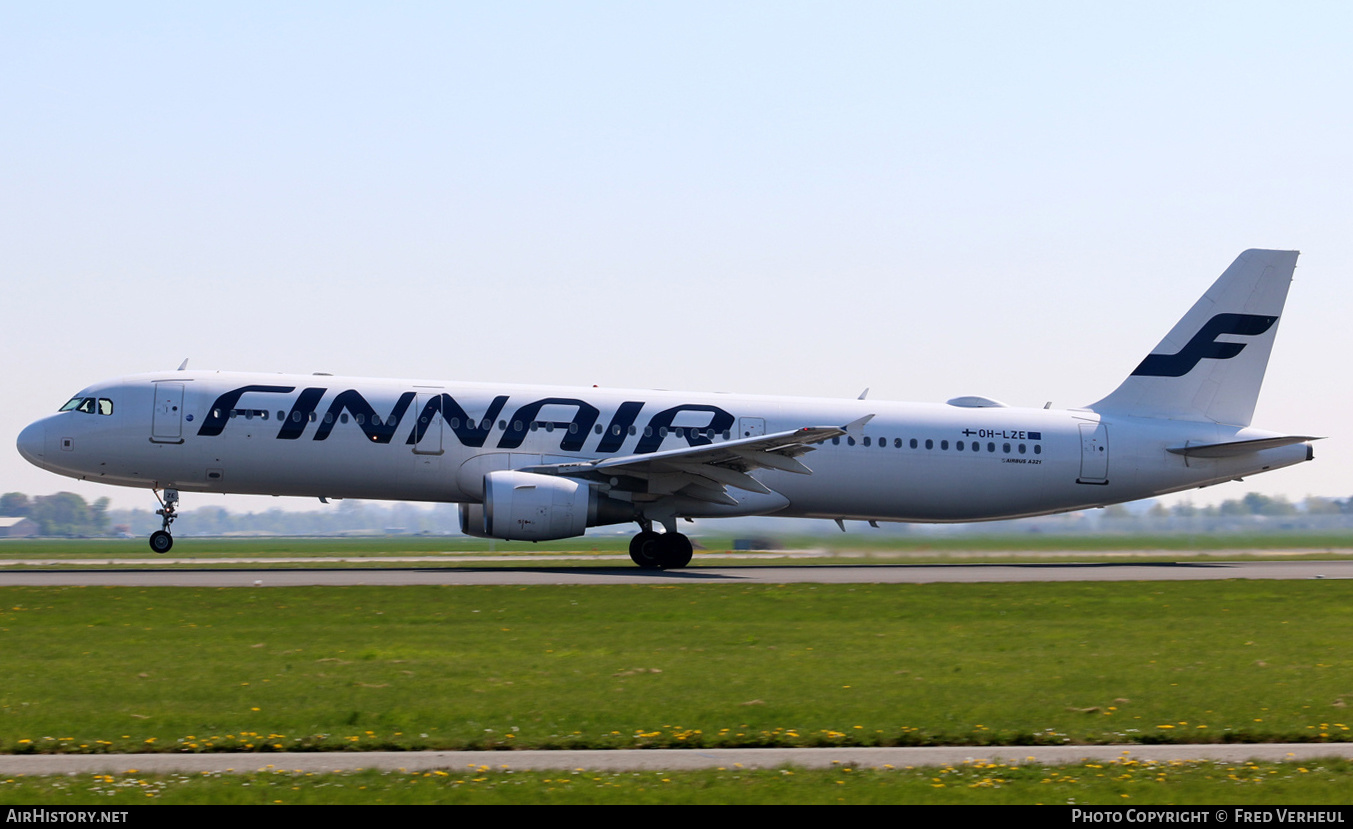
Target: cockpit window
x=89, y=405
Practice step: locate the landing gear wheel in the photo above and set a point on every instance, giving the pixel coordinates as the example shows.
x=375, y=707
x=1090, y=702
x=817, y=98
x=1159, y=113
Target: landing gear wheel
x=674, y=551
x=161, y=541
x=644, y=549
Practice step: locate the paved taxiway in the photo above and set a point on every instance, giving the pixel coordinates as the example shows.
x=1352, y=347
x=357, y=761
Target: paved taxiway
x=824, y=574
x=651, y=759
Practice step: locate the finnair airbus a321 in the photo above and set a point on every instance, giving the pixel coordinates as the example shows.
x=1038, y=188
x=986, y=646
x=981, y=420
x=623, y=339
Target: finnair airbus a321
x=539, y=462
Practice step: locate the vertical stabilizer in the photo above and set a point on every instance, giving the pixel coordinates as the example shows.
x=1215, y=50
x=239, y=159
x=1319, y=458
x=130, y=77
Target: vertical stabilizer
x=1211, y=364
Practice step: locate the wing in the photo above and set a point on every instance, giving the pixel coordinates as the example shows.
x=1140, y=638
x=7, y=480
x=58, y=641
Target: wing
x=705, y=472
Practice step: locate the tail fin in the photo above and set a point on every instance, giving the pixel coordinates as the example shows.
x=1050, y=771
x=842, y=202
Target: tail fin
x=1211, y=364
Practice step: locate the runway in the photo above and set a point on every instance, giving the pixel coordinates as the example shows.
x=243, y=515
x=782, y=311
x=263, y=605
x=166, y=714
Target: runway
x=746, y=574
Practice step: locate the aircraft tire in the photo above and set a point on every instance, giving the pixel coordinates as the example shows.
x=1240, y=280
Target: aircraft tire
x=644, y=548
x=674, y=551
x=161, y=541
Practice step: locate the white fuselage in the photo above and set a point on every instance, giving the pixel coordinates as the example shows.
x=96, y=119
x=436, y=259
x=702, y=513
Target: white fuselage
x=343, y=437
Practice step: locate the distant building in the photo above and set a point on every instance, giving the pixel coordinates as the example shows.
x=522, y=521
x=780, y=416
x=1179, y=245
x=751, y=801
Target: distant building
x=17, y=527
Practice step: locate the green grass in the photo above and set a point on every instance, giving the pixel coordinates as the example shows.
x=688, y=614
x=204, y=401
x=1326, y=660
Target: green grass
x=170, y=669
x=1128, y=783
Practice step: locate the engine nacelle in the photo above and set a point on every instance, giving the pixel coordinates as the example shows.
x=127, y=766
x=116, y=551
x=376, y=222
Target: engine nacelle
x=525, y=506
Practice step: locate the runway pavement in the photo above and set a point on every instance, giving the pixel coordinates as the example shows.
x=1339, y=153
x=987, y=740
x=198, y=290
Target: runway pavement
x=538, y=574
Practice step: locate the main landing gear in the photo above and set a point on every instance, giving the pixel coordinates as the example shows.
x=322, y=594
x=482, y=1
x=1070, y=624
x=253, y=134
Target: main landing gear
x=661, y=551
x=161, y=541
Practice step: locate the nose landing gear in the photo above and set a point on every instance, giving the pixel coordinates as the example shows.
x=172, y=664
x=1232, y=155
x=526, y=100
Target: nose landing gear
x=161, y=541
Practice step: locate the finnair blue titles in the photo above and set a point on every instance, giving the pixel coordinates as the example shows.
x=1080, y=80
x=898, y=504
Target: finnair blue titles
x=539, y=463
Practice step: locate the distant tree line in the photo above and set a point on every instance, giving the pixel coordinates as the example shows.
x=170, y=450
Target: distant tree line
x=64, y=514
x=1251, y=504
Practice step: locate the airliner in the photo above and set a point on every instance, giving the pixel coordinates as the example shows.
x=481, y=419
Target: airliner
x=538, y=463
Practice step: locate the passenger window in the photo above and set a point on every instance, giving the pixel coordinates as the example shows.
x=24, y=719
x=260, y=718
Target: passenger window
x=836, y=441
x=944, y=444
x=959, y=446
x=913, y=443
x=866, y=441
x=1038, y=448
x=897, y=443
x=1021, y=449
x=991, y=447
x=1005, y=447
x=929, y=444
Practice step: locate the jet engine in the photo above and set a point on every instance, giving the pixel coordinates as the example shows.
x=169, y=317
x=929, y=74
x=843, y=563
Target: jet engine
x=525, y=506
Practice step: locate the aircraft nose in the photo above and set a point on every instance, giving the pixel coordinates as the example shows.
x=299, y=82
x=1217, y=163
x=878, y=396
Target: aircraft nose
x=32, y=442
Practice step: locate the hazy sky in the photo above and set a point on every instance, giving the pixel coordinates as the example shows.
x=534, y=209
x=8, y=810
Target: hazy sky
x=929, y=199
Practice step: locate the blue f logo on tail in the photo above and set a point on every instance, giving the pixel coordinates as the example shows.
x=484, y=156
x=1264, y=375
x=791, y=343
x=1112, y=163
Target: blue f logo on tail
x=1204, y=345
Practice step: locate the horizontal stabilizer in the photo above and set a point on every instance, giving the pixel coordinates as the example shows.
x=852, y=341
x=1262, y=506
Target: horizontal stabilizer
x=1238, y=447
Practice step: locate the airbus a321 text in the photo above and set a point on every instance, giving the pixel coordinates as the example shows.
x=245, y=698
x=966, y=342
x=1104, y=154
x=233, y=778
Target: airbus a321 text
x=539, y=462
